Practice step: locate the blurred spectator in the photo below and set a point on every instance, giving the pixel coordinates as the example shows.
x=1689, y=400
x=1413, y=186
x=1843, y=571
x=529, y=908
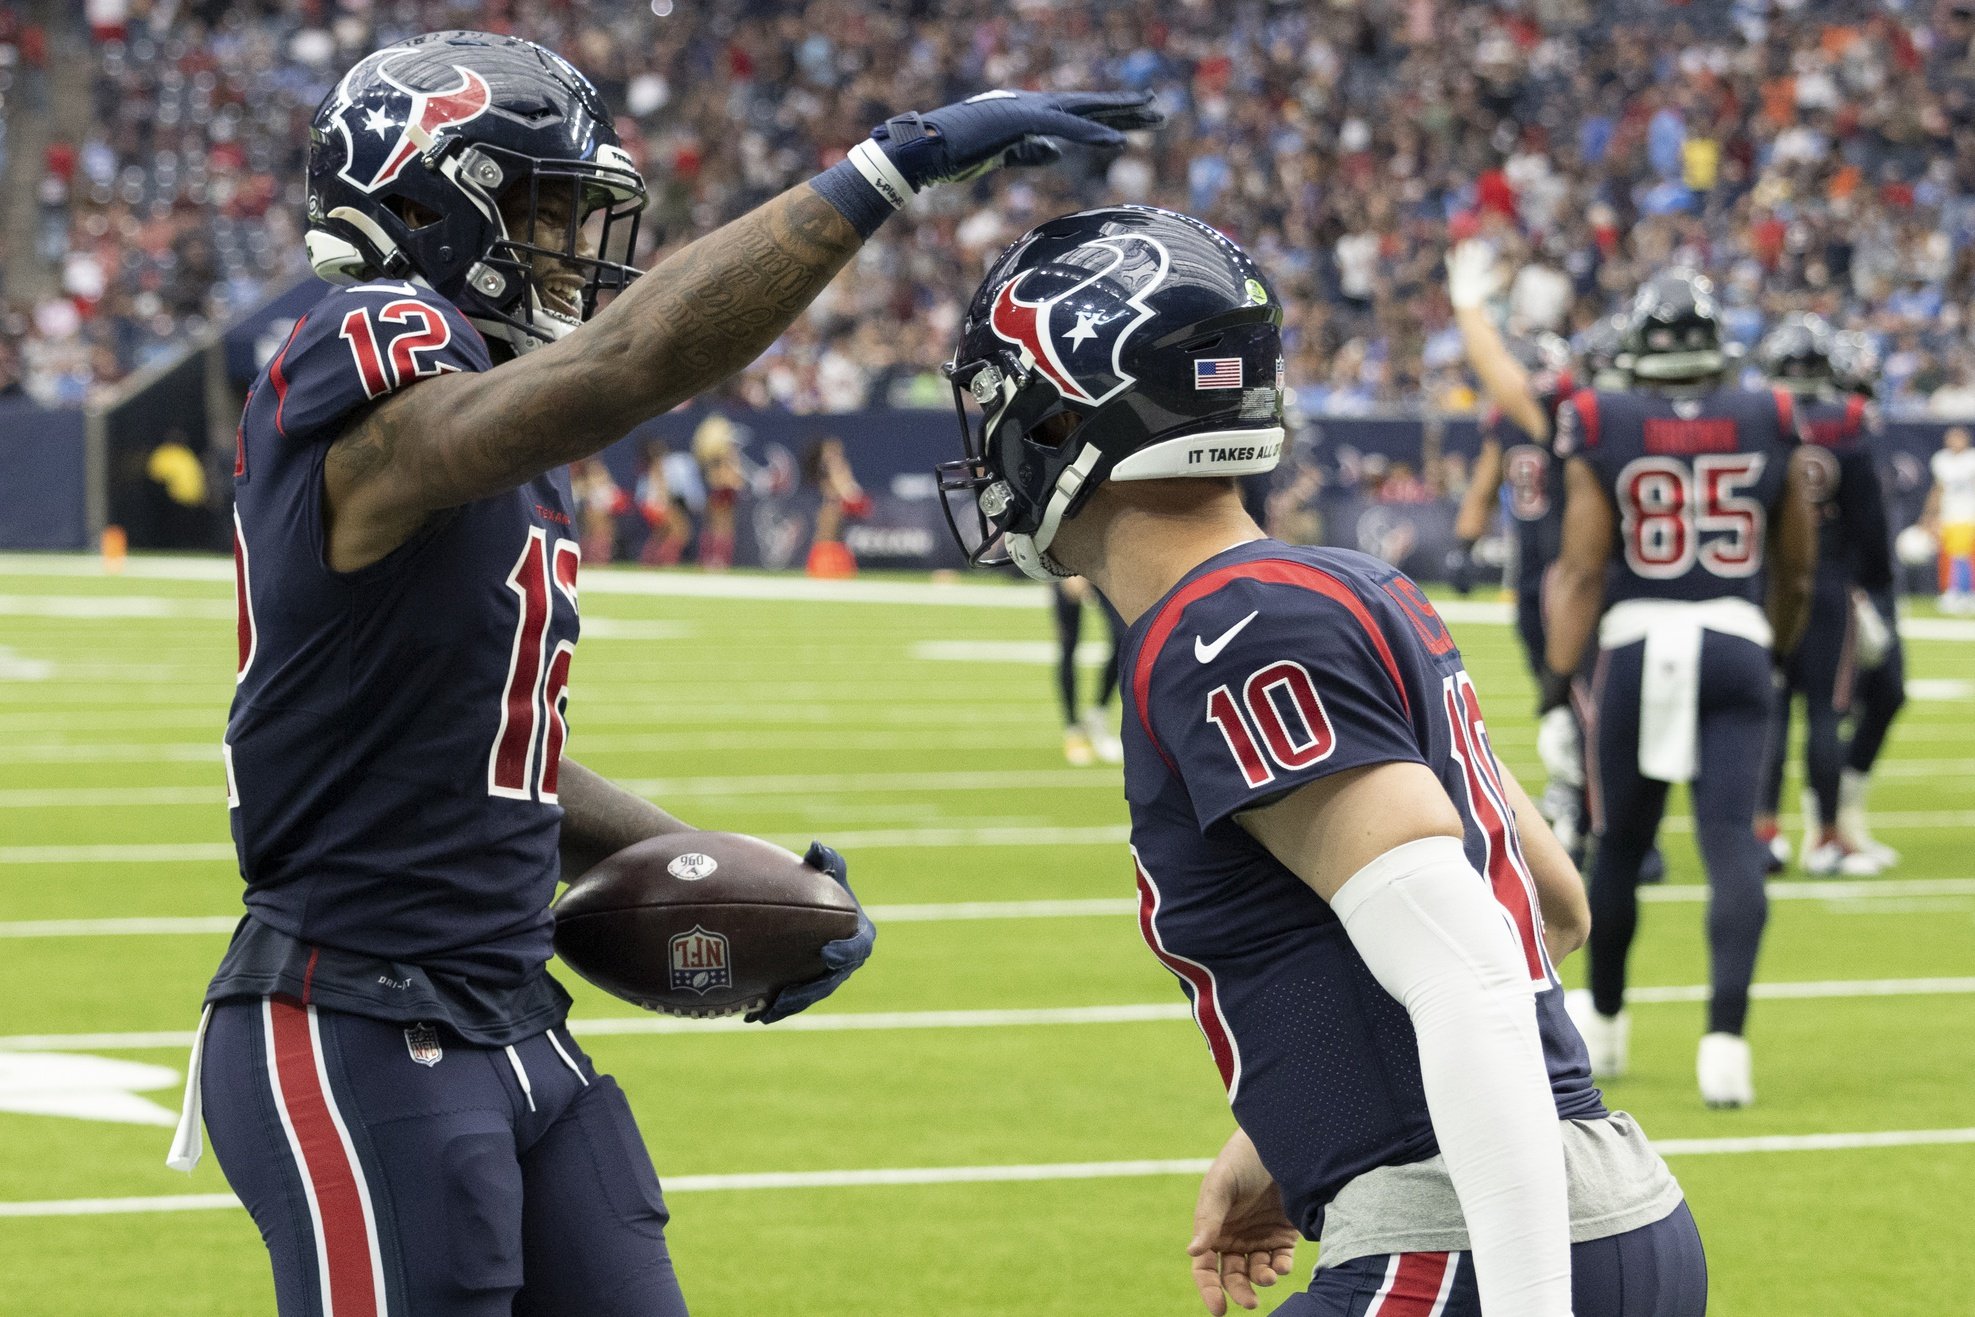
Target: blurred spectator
x=717, y=450
x=669, y=524
x=600, y=501
x=1813, y=155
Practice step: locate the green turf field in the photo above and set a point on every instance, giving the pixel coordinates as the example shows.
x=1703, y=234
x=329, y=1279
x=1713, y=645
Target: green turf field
x=916, y=729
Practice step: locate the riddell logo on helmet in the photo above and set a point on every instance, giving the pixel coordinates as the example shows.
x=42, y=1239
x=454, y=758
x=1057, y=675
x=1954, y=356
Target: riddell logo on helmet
x=1074, y=328
x=382, y=138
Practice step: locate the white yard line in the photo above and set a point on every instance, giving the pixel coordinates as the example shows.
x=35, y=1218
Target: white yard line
x=662, y=788
x=1008, y=1018
x=97, y=797
x=160, y=752
x=900, y=1176
x=1892, y=890
x=131, y=853
x=961, y=592
x=135, y=926
x=990, y=836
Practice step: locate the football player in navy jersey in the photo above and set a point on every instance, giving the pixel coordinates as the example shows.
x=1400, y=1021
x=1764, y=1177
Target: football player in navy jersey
x=385, y=1070
x=1524, y=380
x=1362, y=906
x=1881, y=690
x=1846, y=633
x=1691, y=494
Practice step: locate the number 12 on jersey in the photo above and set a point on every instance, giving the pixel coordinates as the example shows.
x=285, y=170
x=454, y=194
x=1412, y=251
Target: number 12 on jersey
x=536, y=697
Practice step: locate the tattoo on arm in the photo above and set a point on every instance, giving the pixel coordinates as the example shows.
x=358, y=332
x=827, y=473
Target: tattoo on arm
x=687, y=325
x=600, y=818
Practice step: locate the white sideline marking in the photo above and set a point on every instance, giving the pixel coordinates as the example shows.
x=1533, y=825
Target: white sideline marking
x=128, y=927
x=161, y=752
x=57, y=797
x=686, y=584
x=1868, y=889
x=15, y=668
x=132, y=853
x=941, y=838
x=160, y=567
x=660, y=788
x=859, y=1021
x=1811, y=991
x=1101, y=907
x=1937, y=628
x=1028, y=653
x=1033, y=1172
x=1939, y=689
x=627, y=628
x=113, y=607
x=611, y=1026
x=1812, y=1142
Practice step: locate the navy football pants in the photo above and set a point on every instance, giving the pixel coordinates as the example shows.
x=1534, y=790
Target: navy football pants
x=1069, y=615
x=1654, y=1271
x=1823, y=669
x=1736, y=692
x=491, y=1182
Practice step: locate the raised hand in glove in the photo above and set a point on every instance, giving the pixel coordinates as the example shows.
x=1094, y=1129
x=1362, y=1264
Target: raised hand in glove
x=1472, y=274
x=910, y=152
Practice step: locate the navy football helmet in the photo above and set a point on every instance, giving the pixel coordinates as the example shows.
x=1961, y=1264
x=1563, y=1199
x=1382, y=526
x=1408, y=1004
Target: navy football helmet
x=1854, y=363
x=1125, y=343
x=1673, y=335
x=1796, y=355
x=414, y=152
x=1599, y=349
x=1545, y=356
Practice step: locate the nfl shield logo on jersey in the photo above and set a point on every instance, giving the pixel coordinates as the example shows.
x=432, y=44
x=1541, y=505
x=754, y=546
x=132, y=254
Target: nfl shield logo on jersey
x=422, y=1041
x=699, y=961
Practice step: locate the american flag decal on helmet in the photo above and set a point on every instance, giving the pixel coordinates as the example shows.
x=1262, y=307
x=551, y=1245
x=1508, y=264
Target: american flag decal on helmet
x=1217, y=373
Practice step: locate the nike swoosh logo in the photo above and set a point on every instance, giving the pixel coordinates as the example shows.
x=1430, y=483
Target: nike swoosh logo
x=1207, y=653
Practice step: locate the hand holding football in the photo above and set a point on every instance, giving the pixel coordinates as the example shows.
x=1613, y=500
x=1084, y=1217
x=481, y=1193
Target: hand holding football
x=701, y=923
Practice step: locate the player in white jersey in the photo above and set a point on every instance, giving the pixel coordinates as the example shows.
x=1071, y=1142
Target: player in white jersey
x=1950, y=516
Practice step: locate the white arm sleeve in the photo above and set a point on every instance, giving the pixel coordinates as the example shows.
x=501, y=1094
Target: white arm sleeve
x=1435, y=938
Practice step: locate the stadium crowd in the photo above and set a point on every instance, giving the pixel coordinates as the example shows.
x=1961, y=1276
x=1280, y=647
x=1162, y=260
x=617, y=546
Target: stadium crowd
x=1811, y=154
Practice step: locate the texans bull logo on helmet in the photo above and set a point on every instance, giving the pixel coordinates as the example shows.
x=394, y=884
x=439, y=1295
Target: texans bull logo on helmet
x=1073, y=315
x=384, y=133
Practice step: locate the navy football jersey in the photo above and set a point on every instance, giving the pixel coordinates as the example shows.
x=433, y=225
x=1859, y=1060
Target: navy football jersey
x=396, y=731
x=1533, y=482
x=1267, y=667
x=1693, y=481
x=1852, y=534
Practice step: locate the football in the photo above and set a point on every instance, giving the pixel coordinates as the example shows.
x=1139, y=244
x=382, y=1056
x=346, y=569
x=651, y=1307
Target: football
x=701, y=924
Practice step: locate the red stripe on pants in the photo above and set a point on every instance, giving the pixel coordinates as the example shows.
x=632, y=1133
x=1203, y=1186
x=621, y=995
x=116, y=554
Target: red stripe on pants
x=1413, y=1288
x=326, y=1161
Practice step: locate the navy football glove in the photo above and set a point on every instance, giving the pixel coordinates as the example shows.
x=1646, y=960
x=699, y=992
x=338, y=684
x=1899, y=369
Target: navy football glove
x=963, y=141
x=842, y=956
x=910, y=152
x=1460, y=567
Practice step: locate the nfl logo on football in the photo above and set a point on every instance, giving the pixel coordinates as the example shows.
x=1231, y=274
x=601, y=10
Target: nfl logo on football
x=699, y=961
